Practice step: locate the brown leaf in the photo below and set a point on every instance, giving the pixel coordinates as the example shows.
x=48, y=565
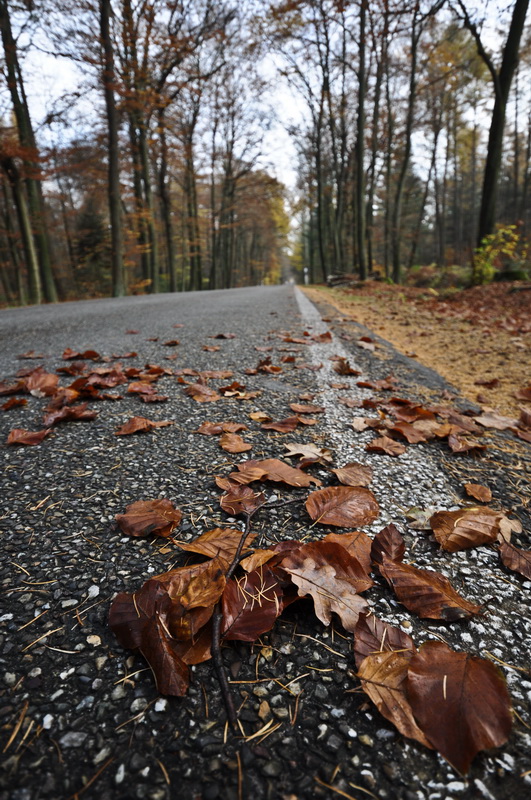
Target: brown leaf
x=13, y=388
x=240, y=499
x=460, y=444
x=492, y=419
x=516, y=559
x=219, y=542
x=282, y=426
x=354, y=474
x=384, y=679
x=140, y=425
x=409, y=432
x=233, y=443
x=342, y=367
x=202, y=393
x=146, y=517
x=468, y=527
x=160, y=651
x=70, y=414
x=460, y=701
x=309, y=453
x=272, y=469
x=14, y=402
x=345, y=506
x=223, y=336
x=22, y=436
x=388, y=543
x=385, y=445
x=481, y=493
x=70, y=355
x=428, y=594
x=372, y=636
x=524, y=393
x=308, y=408
x=42, y=384
x=332, y=577
x=357, y=544
x=251, y=605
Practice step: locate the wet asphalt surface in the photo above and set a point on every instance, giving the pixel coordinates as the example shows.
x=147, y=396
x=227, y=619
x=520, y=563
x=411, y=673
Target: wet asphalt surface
x=80, y=716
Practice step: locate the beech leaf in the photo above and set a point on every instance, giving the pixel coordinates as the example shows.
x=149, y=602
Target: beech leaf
x=468, y=527
x=385, y=445
x=24, y=437
x=516, y=559
x=272, y=469
x=146, y=517
x=388, y=543
x=428, y=594
x=202, y=393
x=219, y=542
x=140, y=425
x=69, y=413
x=250, y=605
x=233, y=443
x=239, y=498
x=354, y=474
x=344, y=506
x=357, y=544
x=460, y=701
x=481, y=493
x=372, y=635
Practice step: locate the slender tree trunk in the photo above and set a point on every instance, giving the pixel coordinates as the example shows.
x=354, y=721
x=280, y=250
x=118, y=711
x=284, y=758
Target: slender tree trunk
x=30, y=156
x=24, y=224
x=20, y=278
x=360, y=149
x=166, y=204
x=115, y=202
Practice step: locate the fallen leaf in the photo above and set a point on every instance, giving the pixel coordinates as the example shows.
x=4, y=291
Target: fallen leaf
x=202, y=393
x=233, y=443
x=516, y=559
x=460, y=444
x=70, y=414
x=332, y=577
x=140, y=425
x=524, y=393
x=492, y=419
x=272, y=469
x=308, y=408
x=357, y=544
x=146, y=517
x=468, y=527
x=309, y=453
x=428, y=594
x=14, y=402
x=354, y=474
x=409, y=432
x=342, y=367
x=372, y=636
x=385, y=445
x=481, y=493
x=282, y=426
x=345, y=506
x=24, y=437
x=239, y=498
x=460, y=701
x=70, y=355
x=223, y=336
x=42, y=384
x=388, y=543
x=251, y=605
x=219, y=542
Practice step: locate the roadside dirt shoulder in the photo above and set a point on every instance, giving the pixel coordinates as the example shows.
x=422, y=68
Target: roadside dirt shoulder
x=478, y=339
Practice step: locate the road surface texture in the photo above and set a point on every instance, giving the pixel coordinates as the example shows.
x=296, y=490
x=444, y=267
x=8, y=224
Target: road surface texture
x=81, y=716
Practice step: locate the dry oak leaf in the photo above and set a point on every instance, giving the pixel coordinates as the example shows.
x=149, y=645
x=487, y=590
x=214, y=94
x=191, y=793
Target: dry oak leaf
x=385, y=445
x=354, y=474
x=468, y=527
x=140, y=425
x=384, y=679
x=388, y=543
x=251, y=605
x=309, y=453
x=272, y=469
x=516, y=559
x=372, y=635
x=479, y=492
x=146, y=517
x=460, y=701
x=24, y=437
x=428, y=594
x=202, y=393
x=332, y=577
x=219, y=542
x=233, y=443
x=344, y=506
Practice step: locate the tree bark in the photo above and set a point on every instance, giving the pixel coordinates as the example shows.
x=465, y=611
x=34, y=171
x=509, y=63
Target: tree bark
x=115, y=202
x=360, y=150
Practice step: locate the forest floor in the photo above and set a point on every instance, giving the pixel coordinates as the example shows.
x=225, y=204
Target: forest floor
x=479, y=339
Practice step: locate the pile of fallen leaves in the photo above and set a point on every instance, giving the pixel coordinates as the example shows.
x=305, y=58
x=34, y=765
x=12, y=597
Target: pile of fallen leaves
x=479, y=339
x=232, y=589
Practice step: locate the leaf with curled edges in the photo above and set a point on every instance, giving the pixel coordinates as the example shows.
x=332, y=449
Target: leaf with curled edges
x=233, y=443
x=372, y=636
x=24, y=437
x=221, y=542
x=357, y=544
x=468, y=527
x=428, y=594
x=344, y=506
x=171, y=674
x=332, y=577
x=383, y=444
x=41, y=383
x=250, y=605
x=354, y=474
x=202, y=393
x=140, y=425
x=516, y=559
x=146, y=517
x=69, y=414
x=272, y=469
x=460, y=701
x=239, y=498
x=384, y=679
x=388, y=543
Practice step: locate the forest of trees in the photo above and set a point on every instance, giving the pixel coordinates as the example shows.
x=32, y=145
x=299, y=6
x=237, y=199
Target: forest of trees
x=411, y=128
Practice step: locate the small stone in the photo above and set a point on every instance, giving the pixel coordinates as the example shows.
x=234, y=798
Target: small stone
x=139, y=704
x=10, y=679
x=334, y=743
x=93, y=640
x=321, y=692
x=456, y=786
x=102, y=755
x=368, y=741
x=69, y=602
x=281, y=713
x=73, y=739
x=272, y=769
x=118, y=692
x=47, y=722
x=260, y=691
x=93, y=591
x=120, y=774
x=161, y=704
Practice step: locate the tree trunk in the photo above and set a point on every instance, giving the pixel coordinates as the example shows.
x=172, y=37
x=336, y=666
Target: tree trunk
x=165, y=203
x=24, y=224
x=360, y=150
x=115, y=202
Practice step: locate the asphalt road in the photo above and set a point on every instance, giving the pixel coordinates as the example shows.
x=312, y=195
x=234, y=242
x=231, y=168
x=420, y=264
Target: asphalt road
x=80, y=716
